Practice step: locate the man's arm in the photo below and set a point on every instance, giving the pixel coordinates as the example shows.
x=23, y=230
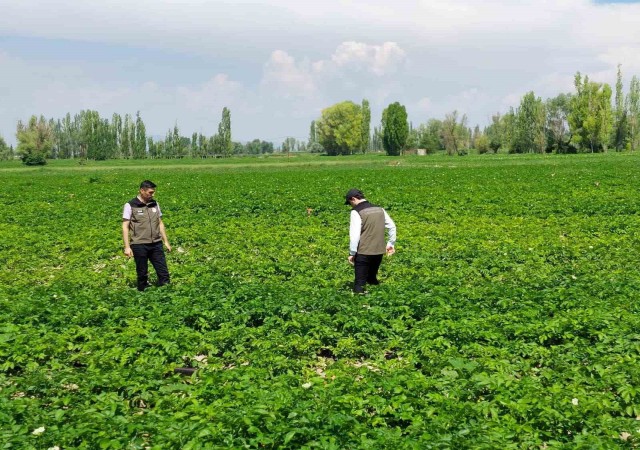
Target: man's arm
x=355, y=226
x=163, y=234
x=390, y=225
x=125, y=238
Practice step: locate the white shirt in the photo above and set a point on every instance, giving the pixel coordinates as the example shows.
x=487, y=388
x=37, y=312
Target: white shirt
x=355, y=227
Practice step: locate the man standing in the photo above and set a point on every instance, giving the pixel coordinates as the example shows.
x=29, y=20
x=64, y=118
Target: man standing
x=366, y=235
x=142, y=216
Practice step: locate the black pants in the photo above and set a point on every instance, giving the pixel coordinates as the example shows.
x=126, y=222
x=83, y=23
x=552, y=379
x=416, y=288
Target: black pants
x=142, y=254
x=366, y=268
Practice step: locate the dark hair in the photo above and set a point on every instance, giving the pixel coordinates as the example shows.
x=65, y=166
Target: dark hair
x=146, y=184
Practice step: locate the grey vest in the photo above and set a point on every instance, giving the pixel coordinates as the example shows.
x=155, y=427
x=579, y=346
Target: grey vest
x=372, y=230
x=145, y=222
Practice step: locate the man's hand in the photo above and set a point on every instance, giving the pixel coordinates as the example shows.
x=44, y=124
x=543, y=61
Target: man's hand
x=390, y=250
x=351, y=259
x=127, y=252
x=166, y=244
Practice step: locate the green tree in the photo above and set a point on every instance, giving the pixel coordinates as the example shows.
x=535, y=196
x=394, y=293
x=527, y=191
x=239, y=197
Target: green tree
x=482, y=143
x=395, y=128
x=375, y=142
x=289, y=145
x=194, y=150
x=125, y=138
x=530, y=122
x=366, y=124
x=455, y=134
x=413, y=138
x=69, y=137
x=501, y=131
x=266, y=147
x=152, y=147
x=116, y=133
x=590, y=119
x=476, y=134
x=339, y=128
x=508, y=127
x=224, y=133
x=238, y=148
x=633, y=111
x=35, y=141
x=6, y=152
x=430, y=136
x=557, y=109
x=202, y=146
x=313, y=137
x=619, y=136
x=252, y=147
x=140, y=142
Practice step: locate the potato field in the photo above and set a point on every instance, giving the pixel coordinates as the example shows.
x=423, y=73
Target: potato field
x=507, y=319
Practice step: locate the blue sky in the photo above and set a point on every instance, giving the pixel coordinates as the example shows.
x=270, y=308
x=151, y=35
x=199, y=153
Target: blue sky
x=277, y=63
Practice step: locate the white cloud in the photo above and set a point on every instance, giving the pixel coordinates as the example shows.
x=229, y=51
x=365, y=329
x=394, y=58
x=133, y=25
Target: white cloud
x=284, y=76
x=378, y=59
x=275, y=59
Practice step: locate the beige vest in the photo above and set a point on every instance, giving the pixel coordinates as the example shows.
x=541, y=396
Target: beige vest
x=145, y=222
x=372, y=230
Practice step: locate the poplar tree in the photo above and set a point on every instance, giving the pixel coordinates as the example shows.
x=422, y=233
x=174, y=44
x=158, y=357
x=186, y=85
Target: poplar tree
x=140, y=143
x=366, y=125
x=125, y=137
x=620, y=116
x=224, y=133
x=590, y=119
x=116, y=131
x=194, y=145
x=633, y=108
x=395, y=128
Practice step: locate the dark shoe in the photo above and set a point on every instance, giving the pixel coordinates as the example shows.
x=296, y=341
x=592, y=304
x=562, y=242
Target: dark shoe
x=144, y=286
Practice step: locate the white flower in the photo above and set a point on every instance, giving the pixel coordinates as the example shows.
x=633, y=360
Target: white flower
x=200, y=358
x=307, y=385
x=575, y=401
x=38, y=431
x=624, y=436
x=54, y=448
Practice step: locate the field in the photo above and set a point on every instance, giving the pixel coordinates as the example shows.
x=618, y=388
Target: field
x=508, y=318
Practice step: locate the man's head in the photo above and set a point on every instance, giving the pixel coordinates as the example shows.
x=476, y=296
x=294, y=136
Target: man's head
x=353, y=196
x=147, y=189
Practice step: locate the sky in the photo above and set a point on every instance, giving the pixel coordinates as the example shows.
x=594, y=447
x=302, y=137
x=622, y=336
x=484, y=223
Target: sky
x=277, y=63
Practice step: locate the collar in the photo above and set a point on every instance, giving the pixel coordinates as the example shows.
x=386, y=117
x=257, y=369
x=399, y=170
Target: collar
x=140, y=204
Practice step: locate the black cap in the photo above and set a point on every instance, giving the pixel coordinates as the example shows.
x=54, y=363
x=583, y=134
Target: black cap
x=357, y=193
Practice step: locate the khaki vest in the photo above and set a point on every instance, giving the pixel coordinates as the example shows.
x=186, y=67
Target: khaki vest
x=145, y=222
x=372, y=230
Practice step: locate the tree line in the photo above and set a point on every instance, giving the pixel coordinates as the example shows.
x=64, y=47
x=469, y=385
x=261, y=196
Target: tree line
x=585, y=120
x=582, y=121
